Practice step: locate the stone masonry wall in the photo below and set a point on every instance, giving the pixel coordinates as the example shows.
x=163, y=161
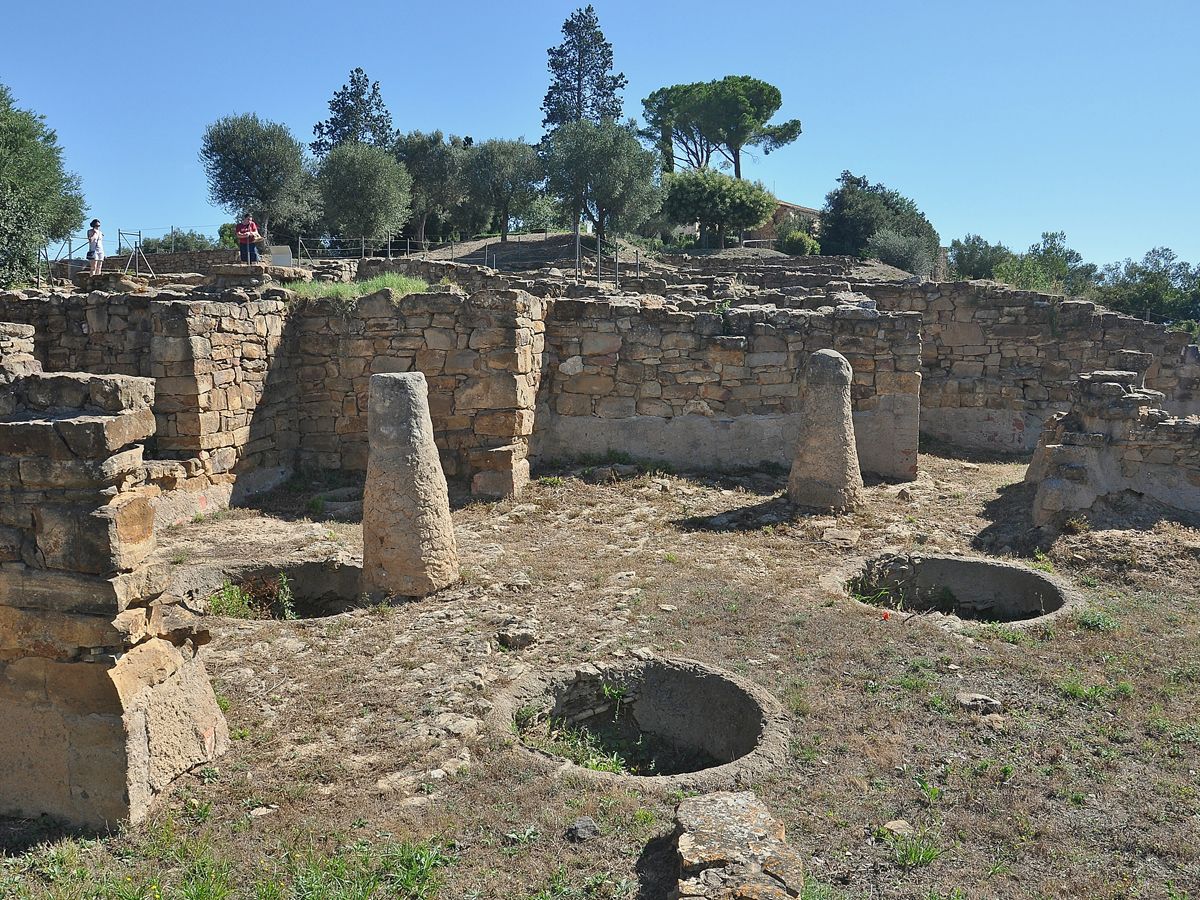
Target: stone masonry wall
x=481, y=356
x=211, y=359
x=1114, y=439
x=998, y=361
x=103, y=698
x=193, y=261
x=720, y=389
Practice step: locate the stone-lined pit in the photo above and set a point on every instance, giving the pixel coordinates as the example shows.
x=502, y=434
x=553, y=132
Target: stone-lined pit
x=981, y=590
x=318, y=588
x=661, y=722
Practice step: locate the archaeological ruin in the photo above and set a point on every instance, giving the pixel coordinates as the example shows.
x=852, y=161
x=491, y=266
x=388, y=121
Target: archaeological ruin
x=131, y=407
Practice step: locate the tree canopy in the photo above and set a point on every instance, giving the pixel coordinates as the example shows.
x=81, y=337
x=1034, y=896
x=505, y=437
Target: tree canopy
x=257, y=166
x=603, y=171
x=717, y=201
x=39, y=200
x=689, y=122
x=437, y=166
x=582, y=86
x=1160, y=287
x=179, y=242
x=973, y=257
x=856, y=210
x=365, y=191
x=504, y=176
x=356, y=114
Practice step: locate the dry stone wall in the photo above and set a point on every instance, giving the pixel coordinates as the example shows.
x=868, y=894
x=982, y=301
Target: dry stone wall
x=720, y=389
x=211, y=356
x=998, y=361
x=480, y=354
x=1114, y=439
x=102, y=695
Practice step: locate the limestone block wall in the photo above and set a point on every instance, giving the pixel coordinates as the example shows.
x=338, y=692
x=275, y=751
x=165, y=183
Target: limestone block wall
x=720, y=389
x=103, y=698
x=998, y=361
x=481, y=356
x=222, y=409
x=1113, y=439
x=227, y=401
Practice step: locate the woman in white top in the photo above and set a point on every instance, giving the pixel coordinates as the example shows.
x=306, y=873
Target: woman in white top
x=96, y=246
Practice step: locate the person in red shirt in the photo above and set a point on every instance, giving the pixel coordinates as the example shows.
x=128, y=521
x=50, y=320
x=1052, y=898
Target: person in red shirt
x=247, y=238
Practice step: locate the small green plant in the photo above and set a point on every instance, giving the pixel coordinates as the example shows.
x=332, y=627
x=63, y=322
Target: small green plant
x=284, y=598
x=1076, y=525
x=316, y=506
x=930, y=792
x=670, y=558
x=615, y=694
x=1042, y=562
x=552, y=481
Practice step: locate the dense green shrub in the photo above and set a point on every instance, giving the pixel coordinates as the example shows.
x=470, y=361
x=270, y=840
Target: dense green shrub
x=799, y=243
x=909, y=252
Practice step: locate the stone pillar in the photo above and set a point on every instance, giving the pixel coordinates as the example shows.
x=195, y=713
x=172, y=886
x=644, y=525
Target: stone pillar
x=825, y=472
x=103, y=698
x=408, y=536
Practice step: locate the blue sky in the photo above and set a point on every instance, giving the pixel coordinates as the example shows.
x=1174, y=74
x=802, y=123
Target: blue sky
x=1000, y=118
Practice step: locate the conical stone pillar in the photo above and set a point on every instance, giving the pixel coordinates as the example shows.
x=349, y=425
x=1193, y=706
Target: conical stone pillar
x=825, y=472
x=408, y=536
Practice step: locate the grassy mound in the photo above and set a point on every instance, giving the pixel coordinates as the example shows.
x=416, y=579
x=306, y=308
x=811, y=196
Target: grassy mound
x=352, y=290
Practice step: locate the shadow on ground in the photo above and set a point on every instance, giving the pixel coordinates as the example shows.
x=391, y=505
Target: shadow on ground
x=657, y=868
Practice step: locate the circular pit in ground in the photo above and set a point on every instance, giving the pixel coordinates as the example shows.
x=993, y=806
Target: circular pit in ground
x=981, y=590
x=665, y=722
x=284, y=590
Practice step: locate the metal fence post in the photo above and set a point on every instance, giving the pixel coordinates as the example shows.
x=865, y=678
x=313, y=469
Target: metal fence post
x=616, y=265
x=362, y=248
x=638, y=255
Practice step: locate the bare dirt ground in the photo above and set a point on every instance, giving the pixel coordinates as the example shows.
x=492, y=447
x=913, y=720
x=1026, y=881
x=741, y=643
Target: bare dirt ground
x=359, y=730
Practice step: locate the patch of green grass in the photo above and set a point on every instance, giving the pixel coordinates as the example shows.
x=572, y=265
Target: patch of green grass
x=1073, y=688
x=345, y=294
x=814, y=890
x=795, y=697
x=1005, y=633
x=912, y=851
x=1175, y=732
x=552, y=481
x=1096, y=620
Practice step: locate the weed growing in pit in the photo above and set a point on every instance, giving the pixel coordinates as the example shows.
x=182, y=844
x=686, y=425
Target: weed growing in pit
x=552, y=481
x=1096, y=620
x=233, y=601
x=579, y=746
